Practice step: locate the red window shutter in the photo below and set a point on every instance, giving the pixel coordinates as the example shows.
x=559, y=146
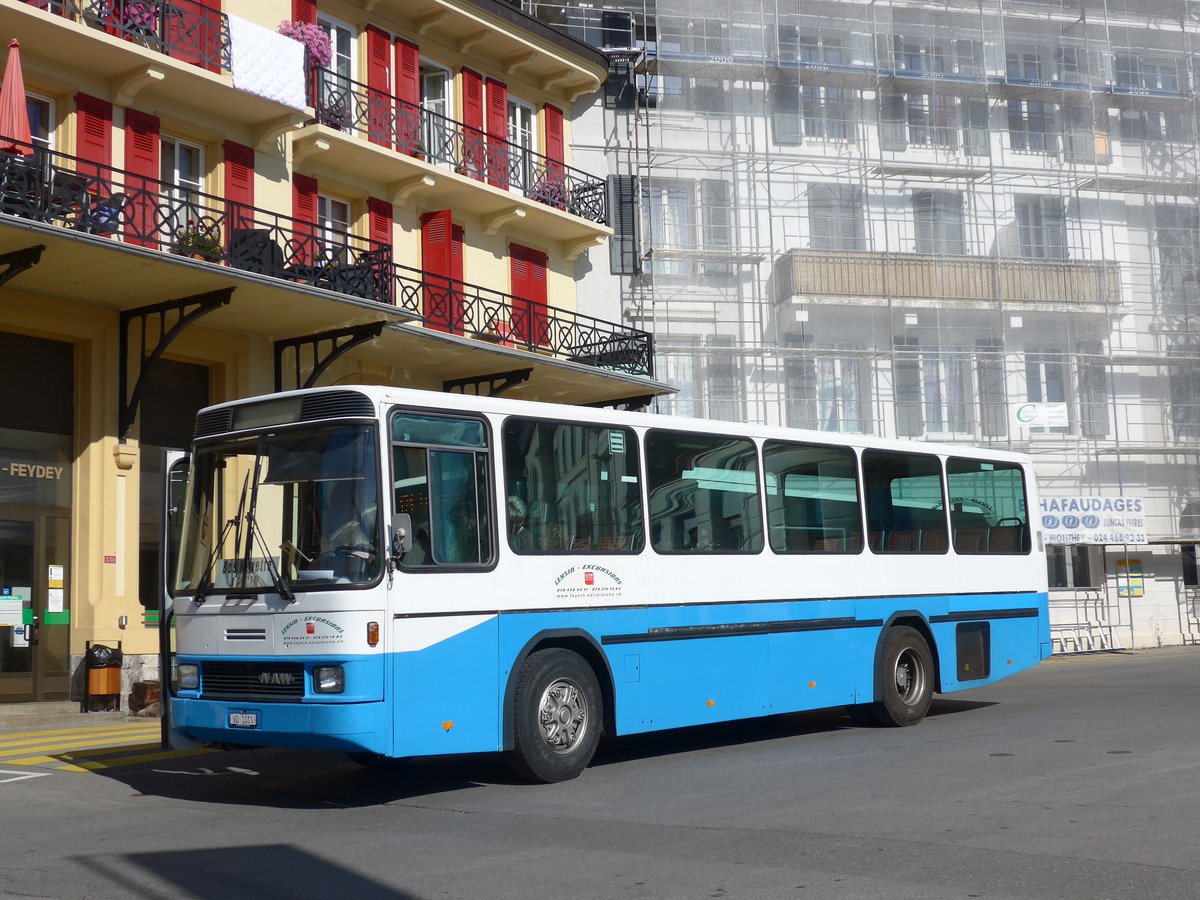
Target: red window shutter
x=141, y=161
x=497, y=131
x=379, y=86
x=304, y=11
x=304, y=210
x=529, y=293
x=474, y=145
x=239, y=185
x=437, y=236
x=555, y=145
x=93, y=131
x=408, y=96
x=379, y=215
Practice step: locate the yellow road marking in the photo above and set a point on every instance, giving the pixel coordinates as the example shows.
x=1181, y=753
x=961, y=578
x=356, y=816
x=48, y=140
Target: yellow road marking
x=130, y=726
x=26, y=739
x=92, y=766
x=69, y=745
x=83, y=754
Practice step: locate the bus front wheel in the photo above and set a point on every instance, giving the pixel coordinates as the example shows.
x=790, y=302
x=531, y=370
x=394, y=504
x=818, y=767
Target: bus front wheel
x=557, y=717
x=906, y=670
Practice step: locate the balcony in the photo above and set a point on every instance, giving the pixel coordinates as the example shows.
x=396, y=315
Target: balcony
x=833, y=274
x=357, y=128
x=57, y=194
x=145, y=49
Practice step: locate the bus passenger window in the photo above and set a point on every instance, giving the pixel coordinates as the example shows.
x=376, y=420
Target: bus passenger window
x=987, y=507
x=571, y=488
x=812, y=498
x=703, y=493
x=906, y=507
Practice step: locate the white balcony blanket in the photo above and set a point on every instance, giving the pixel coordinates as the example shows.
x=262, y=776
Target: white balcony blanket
x=266, y=63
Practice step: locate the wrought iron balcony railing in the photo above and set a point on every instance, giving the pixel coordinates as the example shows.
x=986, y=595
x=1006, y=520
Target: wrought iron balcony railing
x=182, y=29
x=75, y=194
x=351, y=106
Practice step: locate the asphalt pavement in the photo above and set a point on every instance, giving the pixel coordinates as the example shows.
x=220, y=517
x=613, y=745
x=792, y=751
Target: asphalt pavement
x=1077, y=779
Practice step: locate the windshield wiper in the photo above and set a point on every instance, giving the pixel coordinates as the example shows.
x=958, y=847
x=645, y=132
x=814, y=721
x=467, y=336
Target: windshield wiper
x=276, y=579
x=206, y=579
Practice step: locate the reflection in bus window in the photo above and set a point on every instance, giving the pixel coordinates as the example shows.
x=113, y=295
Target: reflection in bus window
x=703, y=493
x=812, y=498
x=571, y=488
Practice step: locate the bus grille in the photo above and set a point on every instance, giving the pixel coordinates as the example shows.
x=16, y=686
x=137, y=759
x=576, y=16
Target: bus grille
x=257, y=681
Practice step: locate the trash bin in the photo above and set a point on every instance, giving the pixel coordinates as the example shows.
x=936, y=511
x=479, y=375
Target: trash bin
x=103, y=673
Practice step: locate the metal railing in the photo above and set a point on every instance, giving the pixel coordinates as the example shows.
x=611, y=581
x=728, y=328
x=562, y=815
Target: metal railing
x=81, y=196
x=182, y=29
x=858, y=273
x=353, y=107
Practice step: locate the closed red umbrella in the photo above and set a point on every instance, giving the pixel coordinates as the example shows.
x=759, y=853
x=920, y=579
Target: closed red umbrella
x=14, y=116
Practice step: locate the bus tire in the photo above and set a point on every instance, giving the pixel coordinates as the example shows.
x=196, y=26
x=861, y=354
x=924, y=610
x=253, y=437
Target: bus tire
x=557, y=716
x=906, y=673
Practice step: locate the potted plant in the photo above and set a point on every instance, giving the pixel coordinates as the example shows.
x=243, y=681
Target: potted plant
x=198, y=243
x=318, y=50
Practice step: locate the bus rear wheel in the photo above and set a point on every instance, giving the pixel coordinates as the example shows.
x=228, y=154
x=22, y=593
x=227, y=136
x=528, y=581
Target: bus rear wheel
x=906, y=670
x=557, y=714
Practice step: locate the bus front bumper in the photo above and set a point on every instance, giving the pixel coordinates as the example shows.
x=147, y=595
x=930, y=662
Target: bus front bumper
x=353, y=727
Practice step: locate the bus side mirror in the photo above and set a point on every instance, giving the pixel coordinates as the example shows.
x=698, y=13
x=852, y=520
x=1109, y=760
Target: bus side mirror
x=401, y=535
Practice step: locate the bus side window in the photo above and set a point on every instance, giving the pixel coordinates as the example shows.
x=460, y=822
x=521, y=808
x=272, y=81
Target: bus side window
x=987, y=507
x=704, y=494
x=906, y=504
x=812, y=498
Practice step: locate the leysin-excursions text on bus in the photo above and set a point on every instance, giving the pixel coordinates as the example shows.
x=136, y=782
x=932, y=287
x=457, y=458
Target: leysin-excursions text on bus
x=397, y=573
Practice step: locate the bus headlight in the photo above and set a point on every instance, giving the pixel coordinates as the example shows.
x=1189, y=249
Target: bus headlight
x=329, y=679
x=189, y=677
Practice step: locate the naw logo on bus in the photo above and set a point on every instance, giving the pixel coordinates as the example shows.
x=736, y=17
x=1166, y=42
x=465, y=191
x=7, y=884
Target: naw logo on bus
x=587, y=583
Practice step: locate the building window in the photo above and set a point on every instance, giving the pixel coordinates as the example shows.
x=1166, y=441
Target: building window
x=1031, y=127
x=938, y=217
x=677, y=359
x=1147, y=73
x=41, y=121
x=1185, y=399
x=1024, y=64
x=826, y=113
x=181, y=168
x=333, y=226
x=341, y=39
x=668, y=224
x=435, y=99
x=1177, y=238
x=840, y=405
x=1041, y=227
x=933, y=120
x=934, y=392
x=521, y=136
x=835, y=217
x=1074, y=565
x=722, y=382
x=1046, y=382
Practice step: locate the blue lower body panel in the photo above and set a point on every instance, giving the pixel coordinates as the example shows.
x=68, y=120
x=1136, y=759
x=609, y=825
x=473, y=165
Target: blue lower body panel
x=667, y=667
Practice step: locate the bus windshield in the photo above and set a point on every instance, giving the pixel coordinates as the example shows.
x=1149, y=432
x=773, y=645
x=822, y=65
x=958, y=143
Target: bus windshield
x=297, y=509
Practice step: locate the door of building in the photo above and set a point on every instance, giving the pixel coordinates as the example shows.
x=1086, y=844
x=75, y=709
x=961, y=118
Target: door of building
x=35, y=615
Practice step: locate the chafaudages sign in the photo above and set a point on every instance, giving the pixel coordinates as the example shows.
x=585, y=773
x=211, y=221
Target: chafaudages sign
x=1093, y=520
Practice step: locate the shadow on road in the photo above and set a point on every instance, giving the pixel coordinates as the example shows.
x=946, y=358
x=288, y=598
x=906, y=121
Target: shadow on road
x=317, y=779
x=258, y=871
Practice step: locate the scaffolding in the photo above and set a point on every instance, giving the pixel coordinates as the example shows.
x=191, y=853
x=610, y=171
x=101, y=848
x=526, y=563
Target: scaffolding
x=905, y=218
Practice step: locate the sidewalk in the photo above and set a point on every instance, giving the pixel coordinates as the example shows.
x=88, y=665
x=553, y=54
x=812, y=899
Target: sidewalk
x=16, y=717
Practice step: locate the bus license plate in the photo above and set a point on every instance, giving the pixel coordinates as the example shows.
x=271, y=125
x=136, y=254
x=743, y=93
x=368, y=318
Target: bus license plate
x=243, y=720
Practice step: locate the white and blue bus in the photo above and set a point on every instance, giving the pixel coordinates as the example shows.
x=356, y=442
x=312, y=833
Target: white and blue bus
x=397, y=573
